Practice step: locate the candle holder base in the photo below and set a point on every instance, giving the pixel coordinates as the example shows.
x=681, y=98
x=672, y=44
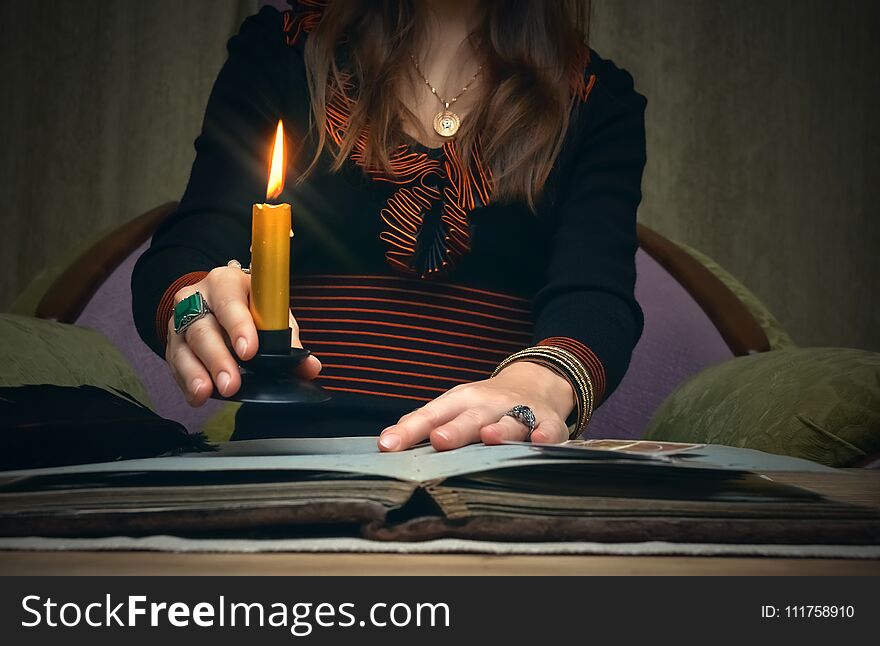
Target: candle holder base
x=272, y=379
x=271, y=376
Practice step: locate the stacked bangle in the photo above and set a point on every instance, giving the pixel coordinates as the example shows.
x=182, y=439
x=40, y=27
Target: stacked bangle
x=567, y=365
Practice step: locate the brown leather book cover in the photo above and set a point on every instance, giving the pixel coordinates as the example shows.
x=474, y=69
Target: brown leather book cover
x=512, y=493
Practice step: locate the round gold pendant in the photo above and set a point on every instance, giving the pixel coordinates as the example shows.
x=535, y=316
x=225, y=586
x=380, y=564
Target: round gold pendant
x=446, y=123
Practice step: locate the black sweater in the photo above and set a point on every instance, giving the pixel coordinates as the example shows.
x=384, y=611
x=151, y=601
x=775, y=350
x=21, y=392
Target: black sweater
x=405, y=286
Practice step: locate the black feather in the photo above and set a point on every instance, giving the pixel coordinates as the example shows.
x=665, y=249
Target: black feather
x=47, y=425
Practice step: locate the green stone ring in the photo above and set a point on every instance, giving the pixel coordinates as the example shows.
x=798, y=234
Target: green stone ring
x=188, y=311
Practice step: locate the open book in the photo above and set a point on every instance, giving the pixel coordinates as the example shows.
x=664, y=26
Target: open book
x=593, y=490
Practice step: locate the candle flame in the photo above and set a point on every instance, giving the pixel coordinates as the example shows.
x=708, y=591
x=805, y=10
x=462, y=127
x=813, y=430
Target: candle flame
x=276, y=169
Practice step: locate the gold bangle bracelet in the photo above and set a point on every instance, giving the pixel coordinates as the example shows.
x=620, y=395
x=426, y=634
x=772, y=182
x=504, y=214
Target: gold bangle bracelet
x=569, y=366
x=582, y=377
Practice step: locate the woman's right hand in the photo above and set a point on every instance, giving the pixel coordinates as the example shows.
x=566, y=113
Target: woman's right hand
x=201, y=357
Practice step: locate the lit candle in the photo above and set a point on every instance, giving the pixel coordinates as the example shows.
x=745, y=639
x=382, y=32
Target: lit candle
x=270, y=255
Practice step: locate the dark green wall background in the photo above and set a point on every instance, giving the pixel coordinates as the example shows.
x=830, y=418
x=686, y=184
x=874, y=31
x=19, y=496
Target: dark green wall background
x=764, y=149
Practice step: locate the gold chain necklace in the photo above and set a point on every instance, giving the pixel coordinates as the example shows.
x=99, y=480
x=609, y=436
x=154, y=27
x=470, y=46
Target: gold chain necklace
x=446, y=122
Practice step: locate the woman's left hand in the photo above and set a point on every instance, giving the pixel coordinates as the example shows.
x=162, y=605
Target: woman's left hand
x=474, y=412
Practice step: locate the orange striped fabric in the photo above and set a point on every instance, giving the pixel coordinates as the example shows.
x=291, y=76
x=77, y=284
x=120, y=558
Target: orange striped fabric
x=581, y=83
x=586, y=87
x=403, y=337
x=423, y=183
x=303, y=21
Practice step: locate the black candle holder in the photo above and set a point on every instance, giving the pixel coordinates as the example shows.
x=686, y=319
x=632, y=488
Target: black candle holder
x=271, y=377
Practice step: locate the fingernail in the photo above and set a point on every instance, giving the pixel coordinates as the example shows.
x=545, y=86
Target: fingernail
x=196, y=385
x=389, y=442
x=223, y=380
x=241, y=346
x=443, y=435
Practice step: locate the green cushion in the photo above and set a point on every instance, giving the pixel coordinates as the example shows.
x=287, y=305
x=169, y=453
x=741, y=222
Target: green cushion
x=34, y=351
x=822, y=404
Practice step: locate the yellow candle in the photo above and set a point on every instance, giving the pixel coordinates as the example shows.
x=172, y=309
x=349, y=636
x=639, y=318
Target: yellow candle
x=270, y=266
x=270, y=250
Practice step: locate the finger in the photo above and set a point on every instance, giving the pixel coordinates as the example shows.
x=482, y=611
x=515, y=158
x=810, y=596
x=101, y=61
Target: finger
x=177, y=378
x=309, y=368
x=228, y=291
x=294, y=330
x=463, y=429
x=416, y=426
x=189, y=372
x=170, y=341
x=550, y=431
x=506, y=429
x=206, y=339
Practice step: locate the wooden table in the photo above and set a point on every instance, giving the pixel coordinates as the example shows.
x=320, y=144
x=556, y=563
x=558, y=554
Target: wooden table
x=850, y=485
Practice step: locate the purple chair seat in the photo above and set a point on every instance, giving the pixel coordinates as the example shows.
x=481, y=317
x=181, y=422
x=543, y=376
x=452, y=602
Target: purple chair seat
x=678, y=341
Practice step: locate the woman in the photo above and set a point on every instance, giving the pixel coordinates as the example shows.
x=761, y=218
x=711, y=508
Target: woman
x=464, y=203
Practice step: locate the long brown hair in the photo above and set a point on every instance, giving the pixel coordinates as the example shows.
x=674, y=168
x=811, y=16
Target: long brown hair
x=531, y=51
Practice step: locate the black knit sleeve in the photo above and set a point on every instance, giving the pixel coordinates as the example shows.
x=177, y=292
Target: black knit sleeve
x=587, y=305
x=212, y=223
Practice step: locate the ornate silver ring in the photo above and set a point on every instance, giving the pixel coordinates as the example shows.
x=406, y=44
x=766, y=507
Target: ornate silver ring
x=524, y=414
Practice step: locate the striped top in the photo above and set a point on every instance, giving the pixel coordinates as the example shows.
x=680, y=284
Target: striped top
x=399, y=337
